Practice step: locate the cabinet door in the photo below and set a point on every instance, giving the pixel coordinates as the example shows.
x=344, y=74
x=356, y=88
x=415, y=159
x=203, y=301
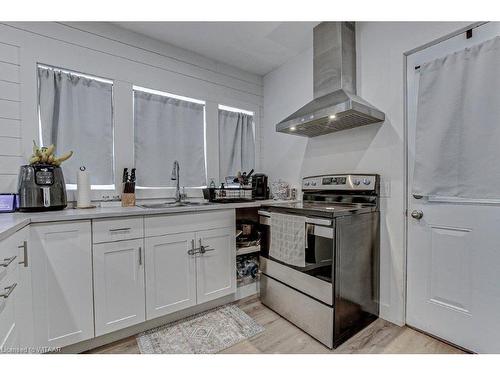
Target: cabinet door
x=215, y=269
x=9, y=342
x=118, y=285
x=24, y=301
x=170, y=274
x=9, y=288
x=62, y=283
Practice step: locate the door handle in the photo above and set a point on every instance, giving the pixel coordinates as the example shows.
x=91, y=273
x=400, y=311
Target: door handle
x=193, y=251
x=24, y=246
x=140, y=255
x=417, y=214
x=204, y=249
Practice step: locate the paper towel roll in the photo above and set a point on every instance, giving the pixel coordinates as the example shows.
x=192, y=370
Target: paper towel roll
x=83, y=185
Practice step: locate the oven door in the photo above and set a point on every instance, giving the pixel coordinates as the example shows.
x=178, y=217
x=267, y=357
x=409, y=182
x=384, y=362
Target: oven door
x=315, y=279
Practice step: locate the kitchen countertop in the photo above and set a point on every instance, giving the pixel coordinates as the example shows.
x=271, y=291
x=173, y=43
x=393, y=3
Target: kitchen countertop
x=12, y=222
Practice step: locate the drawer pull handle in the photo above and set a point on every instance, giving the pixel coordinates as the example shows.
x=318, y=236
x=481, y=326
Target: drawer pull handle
x=120, y=229
x=24, y=246
x=9, y=290
x=7, y=261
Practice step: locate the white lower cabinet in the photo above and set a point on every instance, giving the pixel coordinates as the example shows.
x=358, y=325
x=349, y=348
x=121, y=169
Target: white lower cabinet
x=215, y=268
x=16, y=310
x=24, y=302
x=179, y=274
x=170, y=274
x=9, y=335
x=9, y=291
x=65, y=290
x=9, y=325
x=119, y=294
x=61, y=271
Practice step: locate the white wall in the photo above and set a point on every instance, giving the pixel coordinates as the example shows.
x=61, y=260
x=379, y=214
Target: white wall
x=127, y=58
x=372, y=149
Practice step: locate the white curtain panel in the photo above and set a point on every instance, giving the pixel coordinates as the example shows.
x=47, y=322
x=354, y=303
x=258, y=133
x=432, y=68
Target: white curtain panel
x=76, y=113
x=165, y=130
x=236, y=143
x=457, y=150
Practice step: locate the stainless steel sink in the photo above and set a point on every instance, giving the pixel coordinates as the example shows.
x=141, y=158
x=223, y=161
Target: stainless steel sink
x=172, y=204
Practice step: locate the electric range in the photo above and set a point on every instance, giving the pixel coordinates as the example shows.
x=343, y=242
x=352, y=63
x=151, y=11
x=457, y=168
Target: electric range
x=333, y=292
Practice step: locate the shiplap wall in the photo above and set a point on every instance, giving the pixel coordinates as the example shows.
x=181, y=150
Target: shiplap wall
x=108, y=51
x=10, y=117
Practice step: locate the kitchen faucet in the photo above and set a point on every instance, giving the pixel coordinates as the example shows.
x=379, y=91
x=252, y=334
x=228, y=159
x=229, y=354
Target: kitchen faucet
x=175, y=176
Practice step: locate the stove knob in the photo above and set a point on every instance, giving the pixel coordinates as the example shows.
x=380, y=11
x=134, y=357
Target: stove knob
x=356, y=182
x=366, y=181
x=306, y=183
x=313, y=183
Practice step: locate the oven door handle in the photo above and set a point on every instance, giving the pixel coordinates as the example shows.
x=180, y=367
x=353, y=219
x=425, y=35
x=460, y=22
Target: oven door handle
x=265, y=219
x=264, y=213
x=309, y=230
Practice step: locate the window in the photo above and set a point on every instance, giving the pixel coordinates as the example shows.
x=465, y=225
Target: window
x=76, y=113
x=236, y=141
x=168, y=128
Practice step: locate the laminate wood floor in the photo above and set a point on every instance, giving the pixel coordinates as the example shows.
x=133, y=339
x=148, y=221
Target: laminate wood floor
x=283, y=337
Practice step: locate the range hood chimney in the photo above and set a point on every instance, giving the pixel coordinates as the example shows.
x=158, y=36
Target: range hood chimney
x=335, y=106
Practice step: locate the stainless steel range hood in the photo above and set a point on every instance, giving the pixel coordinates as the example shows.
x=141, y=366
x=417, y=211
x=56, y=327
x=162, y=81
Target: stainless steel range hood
x=335, y=106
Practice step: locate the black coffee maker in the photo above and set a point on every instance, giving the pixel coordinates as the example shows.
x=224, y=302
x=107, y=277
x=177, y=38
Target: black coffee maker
x=260, y=190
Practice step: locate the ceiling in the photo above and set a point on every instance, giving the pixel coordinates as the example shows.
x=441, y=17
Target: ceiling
x=256, y=47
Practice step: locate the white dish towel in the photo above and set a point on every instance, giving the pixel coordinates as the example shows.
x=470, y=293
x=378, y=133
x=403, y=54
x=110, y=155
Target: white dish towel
x=288, y=239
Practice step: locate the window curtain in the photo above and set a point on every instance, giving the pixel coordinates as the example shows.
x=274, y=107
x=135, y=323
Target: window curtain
x=236, y=143
x=457, y=144
x=76, y=113
x=165, y=130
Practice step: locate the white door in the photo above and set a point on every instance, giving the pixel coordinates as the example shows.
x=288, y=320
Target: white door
x=170, y=274
x=61, y=265
x=215, y=267
x=119, y=293
x=453, y=260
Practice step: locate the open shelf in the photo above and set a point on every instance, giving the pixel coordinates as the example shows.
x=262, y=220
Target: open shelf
x=247, y=250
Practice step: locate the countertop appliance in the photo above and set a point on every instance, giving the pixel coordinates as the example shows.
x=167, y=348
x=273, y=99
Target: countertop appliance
x=336, y=294
x=335, y=106
x=41, y=188
x=260, y=186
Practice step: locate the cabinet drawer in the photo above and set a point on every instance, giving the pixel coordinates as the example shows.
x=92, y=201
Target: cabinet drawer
x=159, y=225
x=109, y=230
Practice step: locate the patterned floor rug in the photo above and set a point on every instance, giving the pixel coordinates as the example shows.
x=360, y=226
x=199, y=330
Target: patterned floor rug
x=205, y=333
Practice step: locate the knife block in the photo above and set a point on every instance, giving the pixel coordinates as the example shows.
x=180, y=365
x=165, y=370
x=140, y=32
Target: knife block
x=128, y=199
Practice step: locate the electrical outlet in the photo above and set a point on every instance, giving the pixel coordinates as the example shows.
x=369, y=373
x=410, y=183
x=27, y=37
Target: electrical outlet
x=385, y=187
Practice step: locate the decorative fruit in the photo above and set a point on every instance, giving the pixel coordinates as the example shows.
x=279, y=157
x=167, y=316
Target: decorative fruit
x=45, y=155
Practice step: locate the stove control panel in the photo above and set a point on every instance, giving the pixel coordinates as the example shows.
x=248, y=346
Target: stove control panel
x=340, y=182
